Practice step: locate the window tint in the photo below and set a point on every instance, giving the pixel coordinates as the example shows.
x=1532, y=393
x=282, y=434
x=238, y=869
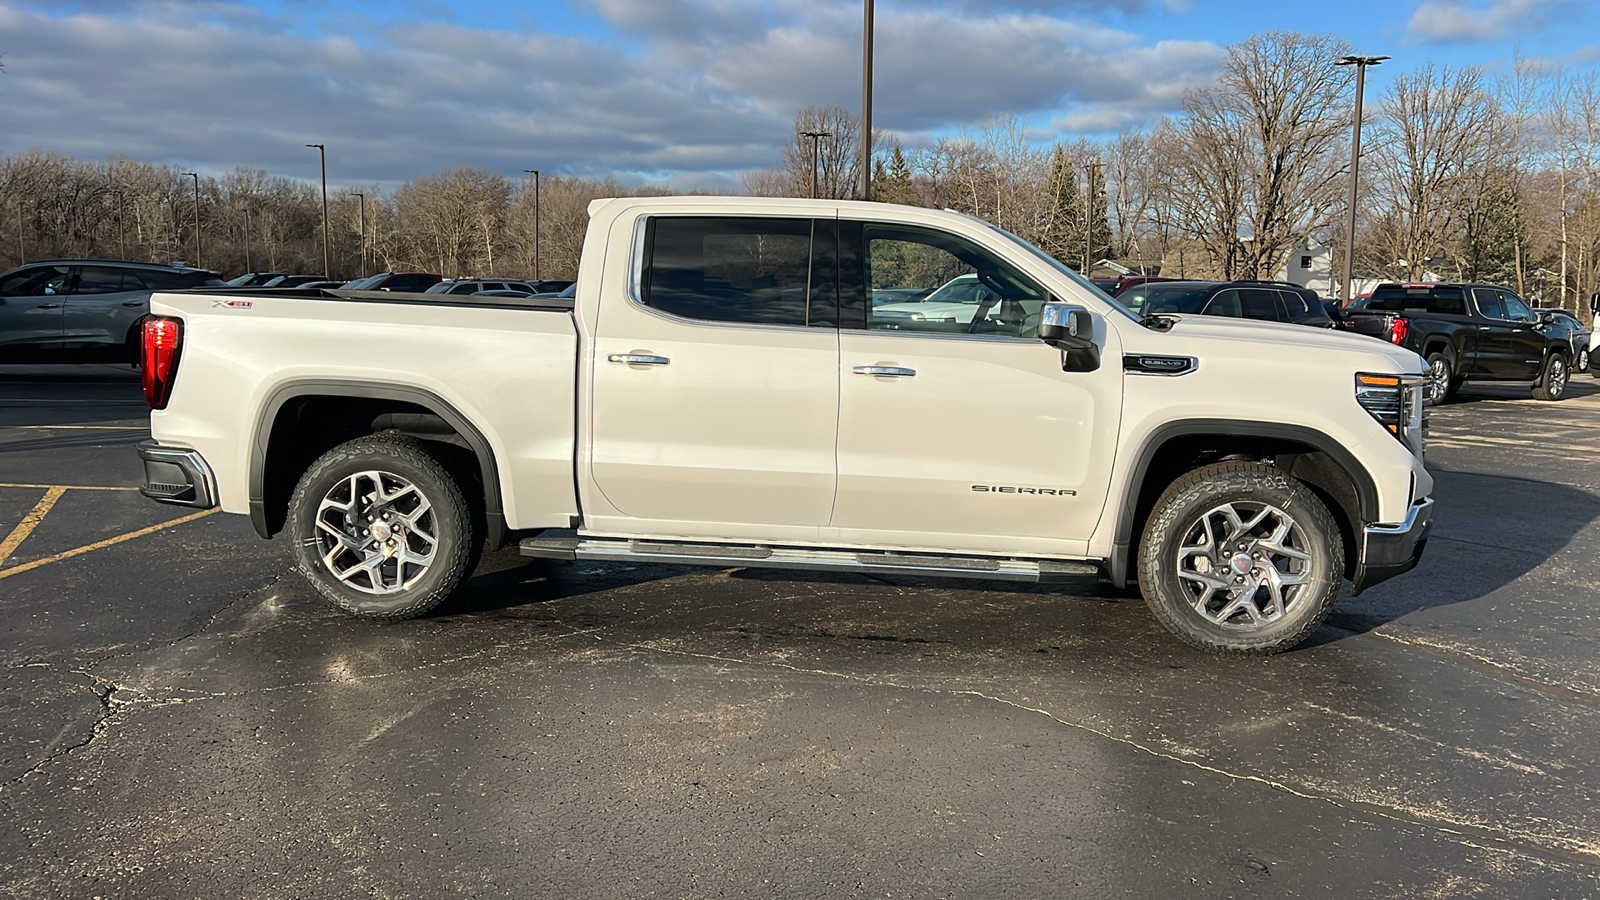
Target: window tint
x=157, y=280
x=1225, y=303
x=1261, y=303
x=968, y=289
x=751, y=270
x=1162, y=299
x=1294, y=302
x=103, y=280
x=1489, y=303
x=1424, y=298
x=1516, y=310
x=35, y=281
x=409, y=283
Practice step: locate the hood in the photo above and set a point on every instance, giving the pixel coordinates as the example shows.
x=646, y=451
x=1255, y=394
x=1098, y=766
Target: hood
x=1197, y=335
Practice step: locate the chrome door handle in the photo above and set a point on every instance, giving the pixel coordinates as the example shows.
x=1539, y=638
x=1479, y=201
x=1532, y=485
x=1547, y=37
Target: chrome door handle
x=892, y=371
x=638, y=359
x=133, y=303
x=49, y=306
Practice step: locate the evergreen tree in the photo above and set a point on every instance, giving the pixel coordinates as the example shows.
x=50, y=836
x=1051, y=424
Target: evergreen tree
x=1061, y=232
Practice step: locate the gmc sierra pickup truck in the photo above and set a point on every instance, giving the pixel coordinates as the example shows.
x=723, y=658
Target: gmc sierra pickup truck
x=721, y=391
x=1468, y=332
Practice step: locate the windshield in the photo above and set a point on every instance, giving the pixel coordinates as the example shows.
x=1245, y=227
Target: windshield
x=1062, y=267
x=361, y=284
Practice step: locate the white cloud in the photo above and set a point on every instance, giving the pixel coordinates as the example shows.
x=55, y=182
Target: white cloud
x=696, y=91
x=1451, y=20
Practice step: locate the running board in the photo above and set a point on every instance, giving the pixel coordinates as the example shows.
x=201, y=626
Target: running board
x=1048, y=571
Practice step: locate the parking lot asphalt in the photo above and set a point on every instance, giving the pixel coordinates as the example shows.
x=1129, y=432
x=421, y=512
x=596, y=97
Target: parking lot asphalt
x=182, y=718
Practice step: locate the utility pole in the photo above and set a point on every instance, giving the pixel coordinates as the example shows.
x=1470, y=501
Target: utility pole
x=196, y=177
x=248, y=267
x=535, y=174
x=362, y=198
x=1091, y=170
x=322, y=153
x=815, y=137
x=1361, y=63
x=122, y=247
x=866, y=101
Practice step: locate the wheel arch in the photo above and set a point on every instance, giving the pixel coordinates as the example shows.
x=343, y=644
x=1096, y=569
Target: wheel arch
x=350, y=409
x=1313, y=457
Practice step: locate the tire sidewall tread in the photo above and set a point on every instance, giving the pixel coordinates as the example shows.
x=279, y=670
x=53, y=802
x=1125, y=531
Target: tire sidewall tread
x=406, y=457
x=1231, y=481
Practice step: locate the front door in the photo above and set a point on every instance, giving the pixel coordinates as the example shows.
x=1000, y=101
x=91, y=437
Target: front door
x=31, y=304
x=958, y=429
x=715, y=402
x=104, y=304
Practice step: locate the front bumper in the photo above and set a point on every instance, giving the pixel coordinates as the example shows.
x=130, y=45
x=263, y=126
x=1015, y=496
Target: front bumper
x=1390, y=550
x=177, y=476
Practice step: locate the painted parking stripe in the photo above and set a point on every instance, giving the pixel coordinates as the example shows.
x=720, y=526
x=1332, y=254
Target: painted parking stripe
x=71, y=487
x=29, y=522
x=79, y=551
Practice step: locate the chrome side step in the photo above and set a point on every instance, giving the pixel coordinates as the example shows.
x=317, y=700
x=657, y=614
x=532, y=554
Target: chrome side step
x=1049, y=571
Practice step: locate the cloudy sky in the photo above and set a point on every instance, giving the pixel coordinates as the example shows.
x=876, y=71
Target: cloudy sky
x=691, y=92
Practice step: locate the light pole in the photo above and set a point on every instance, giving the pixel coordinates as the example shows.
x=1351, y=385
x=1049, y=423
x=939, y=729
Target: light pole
x=866, y=101
x=248, y=267
x=535, y=174
x=1090, y=171
x=362, y=198
x=322, y=153
x=1361, y=63
x=815, y=137
x=196, y=177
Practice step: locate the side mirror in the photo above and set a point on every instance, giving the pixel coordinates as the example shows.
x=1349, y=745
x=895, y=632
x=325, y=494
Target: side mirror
x=1070, y=329
x=1066, y=327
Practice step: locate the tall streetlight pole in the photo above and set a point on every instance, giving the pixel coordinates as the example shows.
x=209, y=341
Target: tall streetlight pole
x=122, y=246
x=1361, y=63
x=196, y=177
x=535, y=174
x=322, y=153
x=362, y=199
x=815, y=137
x=866, y=101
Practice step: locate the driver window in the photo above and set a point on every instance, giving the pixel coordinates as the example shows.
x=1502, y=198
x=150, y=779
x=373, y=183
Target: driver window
x=931, y=282
x=37, y=281
x=1516, y=310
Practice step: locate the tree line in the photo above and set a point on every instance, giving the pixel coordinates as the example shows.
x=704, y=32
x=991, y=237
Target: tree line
x=1465, y=175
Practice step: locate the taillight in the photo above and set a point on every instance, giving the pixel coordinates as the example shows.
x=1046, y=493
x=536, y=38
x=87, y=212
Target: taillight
x=158, y=360
x=1398, y=329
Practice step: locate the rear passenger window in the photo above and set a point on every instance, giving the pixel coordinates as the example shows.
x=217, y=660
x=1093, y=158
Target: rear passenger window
x=745, y=270
x=102, y=280
x=1489, y=303
x=1260, y=303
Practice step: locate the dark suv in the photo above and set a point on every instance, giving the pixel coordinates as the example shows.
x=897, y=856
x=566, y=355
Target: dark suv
x=1271, y=301
x=74, y=310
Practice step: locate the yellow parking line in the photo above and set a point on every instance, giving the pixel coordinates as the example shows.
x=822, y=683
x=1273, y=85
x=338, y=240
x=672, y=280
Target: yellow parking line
x=84, y=427
x=70, y=487
x=7, y=573
x=29, y=522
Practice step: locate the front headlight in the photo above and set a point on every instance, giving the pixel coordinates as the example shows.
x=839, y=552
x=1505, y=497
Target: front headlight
x=1396, y=402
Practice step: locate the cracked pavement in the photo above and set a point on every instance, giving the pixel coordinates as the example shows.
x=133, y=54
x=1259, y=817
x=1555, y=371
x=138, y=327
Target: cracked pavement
x=185, y=719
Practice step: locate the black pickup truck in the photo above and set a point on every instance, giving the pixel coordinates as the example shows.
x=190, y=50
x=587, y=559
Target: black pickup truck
x=1467, y=332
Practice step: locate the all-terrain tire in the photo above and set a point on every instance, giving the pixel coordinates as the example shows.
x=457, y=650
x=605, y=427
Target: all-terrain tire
x=1552, y=384
x=381, y=529
x=1238, y=558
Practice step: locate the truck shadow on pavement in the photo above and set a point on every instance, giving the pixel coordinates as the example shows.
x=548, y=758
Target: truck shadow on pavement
x=1490, y=531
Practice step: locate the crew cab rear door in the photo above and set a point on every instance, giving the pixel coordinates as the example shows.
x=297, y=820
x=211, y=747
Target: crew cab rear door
x=958, y=428
x=715, y=396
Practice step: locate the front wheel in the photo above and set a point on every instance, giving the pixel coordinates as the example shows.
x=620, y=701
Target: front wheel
x=380, y=528
x=1237, y=558
x=1552, y=384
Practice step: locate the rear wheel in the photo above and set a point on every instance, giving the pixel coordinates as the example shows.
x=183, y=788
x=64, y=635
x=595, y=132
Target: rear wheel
x=1237, y=558
x=1441, y=380
x=1582, y=365
x=381, y=529
x=1552, y=384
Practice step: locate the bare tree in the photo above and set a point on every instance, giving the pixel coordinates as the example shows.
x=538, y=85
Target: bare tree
x=1430, y=143
x=1257, y=153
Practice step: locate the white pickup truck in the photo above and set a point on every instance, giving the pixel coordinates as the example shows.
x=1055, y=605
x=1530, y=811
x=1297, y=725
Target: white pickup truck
x=721, y=391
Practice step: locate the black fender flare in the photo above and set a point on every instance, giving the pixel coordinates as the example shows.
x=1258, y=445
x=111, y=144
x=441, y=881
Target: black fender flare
x=494, y=511
x=1128, y=508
